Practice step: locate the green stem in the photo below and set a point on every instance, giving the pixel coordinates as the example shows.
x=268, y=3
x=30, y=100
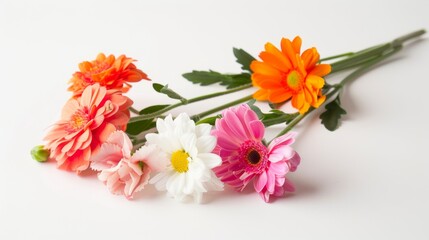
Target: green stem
x=192, y=100
x=197, y=117
x=337, y=56
x=369, y=54
x=133, y=110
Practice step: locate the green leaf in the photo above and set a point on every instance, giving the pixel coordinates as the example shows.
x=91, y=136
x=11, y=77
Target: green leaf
x=167, y=91
x=209, y=120
x=237, y=80
x=136, y=128
x=277, y=117
x=157, y=87
x=152, y=109
x=205, y=78
x=243, y=58
x=331, y=117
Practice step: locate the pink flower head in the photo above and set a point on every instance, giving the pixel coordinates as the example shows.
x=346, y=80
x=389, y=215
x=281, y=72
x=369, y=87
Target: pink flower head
x=85, y=124
x=245, y=158
x=122, y=173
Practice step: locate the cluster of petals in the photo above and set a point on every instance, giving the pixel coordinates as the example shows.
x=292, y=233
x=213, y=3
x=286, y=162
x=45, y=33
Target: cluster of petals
x=245, y=158
x=188, y=158
x=110, y=72
x=86, y=122
x=122, y=173
x=287, y=74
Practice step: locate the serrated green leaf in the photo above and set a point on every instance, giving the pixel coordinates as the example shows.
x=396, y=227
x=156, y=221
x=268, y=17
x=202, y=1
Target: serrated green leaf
x=331, y=117
x=152, y=109
x=237, y=80
x=277, y=117
x=205, y=78
x=136, y=128
x=209, y=120
x=243, y=58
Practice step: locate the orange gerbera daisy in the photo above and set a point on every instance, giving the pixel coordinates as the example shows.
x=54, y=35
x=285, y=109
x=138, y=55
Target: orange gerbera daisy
x=110, y=72
x=286, y=74
x=86, y=122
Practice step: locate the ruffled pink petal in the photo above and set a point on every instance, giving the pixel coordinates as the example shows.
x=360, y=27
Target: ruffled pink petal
x=108, y=156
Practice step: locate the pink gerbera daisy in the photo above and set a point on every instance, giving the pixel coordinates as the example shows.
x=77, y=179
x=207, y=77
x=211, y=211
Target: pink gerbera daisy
x=85, y=124
x=245, y=158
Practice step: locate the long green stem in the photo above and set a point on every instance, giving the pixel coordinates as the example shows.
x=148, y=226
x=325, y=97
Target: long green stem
x=192, y=100
x=336, y=56
x=366, y=55
x=197, y=117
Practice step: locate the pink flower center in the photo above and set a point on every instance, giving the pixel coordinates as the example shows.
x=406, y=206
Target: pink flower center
x=78, y=120
x=253, y=155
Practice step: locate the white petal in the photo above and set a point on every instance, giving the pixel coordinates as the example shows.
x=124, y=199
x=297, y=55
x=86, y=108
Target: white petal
x=210, y=160
x=206, y=144
x=203, y=129
x=189, y=186
x=188, y=142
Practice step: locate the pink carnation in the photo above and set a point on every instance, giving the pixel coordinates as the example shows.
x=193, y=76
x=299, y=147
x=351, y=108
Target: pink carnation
x=85, y=124
x=245, y=158
x=122, y=173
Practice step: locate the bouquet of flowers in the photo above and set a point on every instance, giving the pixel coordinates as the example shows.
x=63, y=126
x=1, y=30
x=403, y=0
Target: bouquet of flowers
x=188, y=155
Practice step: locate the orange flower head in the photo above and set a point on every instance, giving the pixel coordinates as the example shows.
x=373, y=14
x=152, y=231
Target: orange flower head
x=85, y=124
x=286, y=74
x=110, y=72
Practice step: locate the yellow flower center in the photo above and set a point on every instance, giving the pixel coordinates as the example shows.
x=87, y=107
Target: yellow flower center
x=179, y=161
x=78, y=120
x=294, y=80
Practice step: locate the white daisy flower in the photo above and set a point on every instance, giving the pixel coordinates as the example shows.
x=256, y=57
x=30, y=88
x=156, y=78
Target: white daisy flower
x=189, y=158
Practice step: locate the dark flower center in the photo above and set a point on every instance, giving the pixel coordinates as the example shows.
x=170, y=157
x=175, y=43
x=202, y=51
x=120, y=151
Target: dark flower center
x=253, y=157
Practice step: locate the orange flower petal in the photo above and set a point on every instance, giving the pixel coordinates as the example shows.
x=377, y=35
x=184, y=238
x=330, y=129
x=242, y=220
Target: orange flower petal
x=266, y=81
x=321, y=70
x=264, y=68
x=288, y=50
x=315, y=81
x=296, y=44
x=298, y=100
x=261, y=94
x=274, y=61
x=276, y=52
x=310, y=57
x=279, y=95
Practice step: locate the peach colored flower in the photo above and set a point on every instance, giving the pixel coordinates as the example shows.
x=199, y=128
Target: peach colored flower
x=85, y=124
x=110, y=72
x=286, y=74
x=122, y=173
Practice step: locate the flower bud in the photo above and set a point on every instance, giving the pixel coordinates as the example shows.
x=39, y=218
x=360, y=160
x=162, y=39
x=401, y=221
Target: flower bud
x=40, y=154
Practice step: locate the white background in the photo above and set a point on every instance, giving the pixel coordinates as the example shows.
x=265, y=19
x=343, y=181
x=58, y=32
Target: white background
x=367, y=180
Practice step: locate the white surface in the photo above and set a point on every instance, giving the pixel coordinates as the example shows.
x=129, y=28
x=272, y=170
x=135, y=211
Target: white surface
x=367, y=180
